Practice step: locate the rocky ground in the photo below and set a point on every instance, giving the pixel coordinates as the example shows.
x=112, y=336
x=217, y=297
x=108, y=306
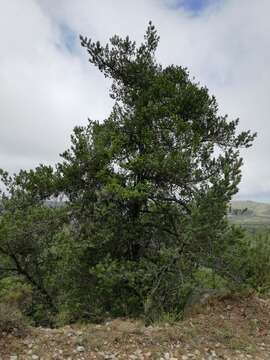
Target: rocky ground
x=225, y=329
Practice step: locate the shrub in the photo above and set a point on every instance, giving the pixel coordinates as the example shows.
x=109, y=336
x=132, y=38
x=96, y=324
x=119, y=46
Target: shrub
x=15, y=292
x=12, y=319
x=259, y=262
x=15, y=301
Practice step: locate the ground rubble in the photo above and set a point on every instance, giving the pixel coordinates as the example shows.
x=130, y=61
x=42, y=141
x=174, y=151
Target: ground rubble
x=227, y=329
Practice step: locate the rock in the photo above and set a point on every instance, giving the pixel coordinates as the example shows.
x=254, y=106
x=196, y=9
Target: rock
x=110, y=356
x=14, y=357
x=80, y=349
x=213, y=353
x=35, y=357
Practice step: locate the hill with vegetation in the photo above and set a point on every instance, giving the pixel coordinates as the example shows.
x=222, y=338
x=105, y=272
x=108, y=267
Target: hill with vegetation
x=249, y=213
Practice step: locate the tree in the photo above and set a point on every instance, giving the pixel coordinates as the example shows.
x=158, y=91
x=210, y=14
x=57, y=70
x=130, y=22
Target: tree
x=147, y=190
x=160, y=171
x=29, y=232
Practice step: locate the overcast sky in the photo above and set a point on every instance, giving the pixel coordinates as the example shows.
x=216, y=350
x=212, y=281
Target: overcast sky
x=47, y=86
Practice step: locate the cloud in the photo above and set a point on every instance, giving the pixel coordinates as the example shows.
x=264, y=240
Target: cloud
x=45, y=91
x=47, y=85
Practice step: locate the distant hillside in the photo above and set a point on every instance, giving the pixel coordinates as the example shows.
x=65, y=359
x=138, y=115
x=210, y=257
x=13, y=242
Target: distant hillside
x=250, y=212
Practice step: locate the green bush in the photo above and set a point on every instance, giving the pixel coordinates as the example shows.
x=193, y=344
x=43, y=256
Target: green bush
x=16, y=292
x=12, y=319
x=258, y=260
x=208, y=279
x=15, y=302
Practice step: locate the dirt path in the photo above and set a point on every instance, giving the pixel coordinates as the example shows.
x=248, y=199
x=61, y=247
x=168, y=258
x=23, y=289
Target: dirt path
x=224, y=330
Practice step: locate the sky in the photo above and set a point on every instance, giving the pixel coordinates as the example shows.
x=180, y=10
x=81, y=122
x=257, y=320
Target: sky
x=47, y=85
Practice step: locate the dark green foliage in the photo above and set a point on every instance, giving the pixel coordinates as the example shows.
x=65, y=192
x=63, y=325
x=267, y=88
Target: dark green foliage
x=12, y=319
x=15, y=302
x=258, y=261
x=16, y=292
x=146, y=195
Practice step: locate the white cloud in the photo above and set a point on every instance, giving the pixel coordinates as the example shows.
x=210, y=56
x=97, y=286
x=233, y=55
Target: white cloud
x=45, y=89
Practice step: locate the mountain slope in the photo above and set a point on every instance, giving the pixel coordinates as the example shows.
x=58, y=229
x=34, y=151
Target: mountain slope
x=250, y=212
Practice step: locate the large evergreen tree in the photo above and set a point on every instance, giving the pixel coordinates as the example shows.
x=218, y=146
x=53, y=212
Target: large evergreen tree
x=147, y=189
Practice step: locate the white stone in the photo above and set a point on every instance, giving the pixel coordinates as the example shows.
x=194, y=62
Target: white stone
x=80, y=349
